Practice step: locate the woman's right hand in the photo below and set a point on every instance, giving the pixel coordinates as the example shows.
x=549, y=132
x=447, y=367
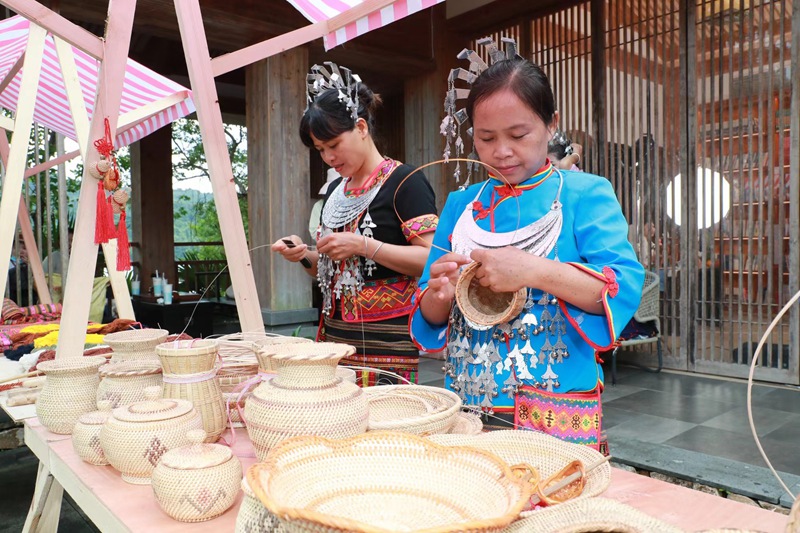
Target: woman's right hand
x=444, y=274
x=293, y=254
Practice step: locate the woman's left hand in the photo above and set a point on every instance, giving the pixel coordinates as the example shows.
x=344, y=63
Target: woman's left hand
x=341, y=245
x=503, y=270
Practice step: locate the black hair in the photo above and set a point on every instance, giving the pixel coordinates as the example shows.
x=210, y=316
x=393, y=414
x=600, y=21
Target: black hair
x=327, y=117
x=525, y=79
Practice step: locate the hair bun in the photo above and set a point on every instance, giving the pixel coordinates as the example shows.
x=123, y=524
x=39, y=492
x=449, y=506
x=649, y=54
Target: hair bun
x=372, y=101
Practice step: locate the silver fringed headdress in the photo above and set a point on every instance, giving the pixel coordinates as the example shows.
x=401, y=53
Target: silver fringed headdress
x=454, y=120
x=342, y=79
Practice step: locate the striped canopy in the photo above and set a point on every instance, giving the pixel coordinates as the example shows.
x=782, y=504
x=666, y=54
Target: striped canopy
x=320, y=10
x=142, y=86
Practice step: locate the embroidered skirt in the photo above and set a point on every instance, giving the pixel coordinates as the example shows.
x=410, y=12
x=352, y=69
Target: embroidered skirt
x=384, y=345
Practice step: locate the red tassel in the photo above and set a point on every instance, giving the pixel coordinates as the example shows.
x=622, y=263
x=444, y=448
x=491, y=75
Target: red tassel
x=101, y=229
x=123, y=246
x=111, y=228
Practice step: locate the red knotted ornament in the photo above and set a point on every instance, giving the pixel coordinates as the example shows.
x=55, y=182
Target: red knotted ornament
x=106, y=171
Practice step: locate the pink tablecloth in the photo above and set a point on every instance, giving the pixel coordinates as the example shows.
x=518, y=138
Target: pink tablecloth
x=136, y=507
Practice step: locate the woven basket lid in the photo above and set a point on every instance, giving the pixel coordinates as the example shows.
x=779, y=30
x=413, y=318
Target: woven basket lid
x=153, y=409
x=308, y=351
x=130, y=368
x=196, y=455
x=120, y=339
x=99, y=417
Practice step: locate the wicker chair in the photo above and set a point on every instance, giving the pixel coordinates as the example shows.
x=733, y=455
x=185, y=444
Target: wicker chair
x=647, y=312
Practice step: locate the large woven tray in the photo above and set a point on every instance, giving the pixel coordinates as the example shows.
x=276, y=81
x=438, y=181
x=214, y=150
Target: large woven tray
x=388, y=481
x=546, y=454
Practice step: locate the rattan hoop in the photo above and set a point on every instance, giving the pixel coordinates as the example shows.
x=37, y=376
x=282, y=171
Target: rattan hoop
x=416, y=409
x=483, y=306
x=317, y=485
x=547, y=454
x=135, y=343
x=590, y=515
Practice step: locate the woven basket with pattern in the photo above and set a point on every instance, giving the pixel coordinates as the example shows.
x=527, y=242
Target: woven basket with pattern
x=547, y=454
x=414, y=409
x=483, y=306
x=253, y=517
x=388, y=481
x=135, y=343
x=124, y=382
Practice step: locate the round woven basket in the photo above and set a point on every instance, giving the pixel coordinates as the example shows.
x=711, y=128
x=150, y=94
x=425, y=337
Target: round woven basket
x=306, y=397
x=124, y=382
x=319, y=485
x=483, y=306
x=547, y=454
x=190, y=374
x=253, y=517
x=135, y=343
x=86, y=435
x=414, y=409
x=467, y=423
x=590, y=515
x=69, y=391
x=263, y=354
x=197, y=482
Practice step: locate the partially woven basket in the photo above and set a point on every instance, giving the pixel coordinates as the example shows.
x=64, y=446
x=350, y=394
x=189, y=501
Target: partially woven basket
x=591, y=515
x=387, y=481
x=482, y=306
x=416, y=409
x=547, y=454
x=135, y=343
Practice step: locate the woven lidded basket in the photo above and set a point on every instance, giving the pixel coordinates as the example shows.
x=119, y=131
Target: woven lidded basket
x=86, y=435
x=69, y=391
x=483, y=306
x=124, y=382
x=135, y=343
x=306, y=397
x=197, y=482
x=590, y=515
x=414, y=409
x=136, y=436
x=388, y=481
x=547, y=454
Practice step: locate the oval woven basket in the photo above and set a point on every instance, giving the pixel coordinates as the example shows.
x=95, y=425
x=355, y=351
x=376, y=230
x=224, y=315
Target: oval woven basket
x=547, y=454
x=591, y=515
x=135, y=343
x=317, y=485
x=414, y=409
x=483, y=306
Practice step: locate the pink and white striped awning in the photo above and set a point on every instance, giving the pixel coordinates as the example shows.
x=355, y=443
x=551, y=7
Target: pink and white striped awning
x=142, y=87
x=320, y=10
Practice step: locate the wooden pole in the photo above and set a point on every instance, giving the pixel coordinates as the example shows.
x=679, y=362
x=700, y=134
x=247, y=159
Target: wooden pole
x=198, y=61
x=18, y=154
x=78, y=287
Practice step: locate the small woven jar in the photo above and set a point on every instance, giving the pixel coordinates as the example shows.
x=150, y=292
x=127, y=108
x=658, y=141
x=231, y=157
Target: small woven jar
x=136, y=436
x=482, y=306
x=124, y=382
x=68, y=392
x=135, y=344
x=305, y=398
x=253, y=517
x=197, y=482
x=86, y=435
x=190, y=373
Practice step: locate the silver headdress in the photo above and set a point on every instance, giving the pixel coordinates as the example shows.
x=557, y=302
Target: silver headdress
x=455, y=119
x=341, y=79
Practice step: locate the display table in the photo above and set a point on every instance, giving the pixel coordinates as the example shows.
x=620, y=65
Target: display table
x=114, y=505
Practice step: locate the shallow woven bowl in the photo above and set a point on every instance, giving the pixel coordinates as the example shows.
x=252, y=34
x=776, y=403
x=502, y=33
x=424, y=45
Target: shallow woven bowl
x=135, y=343
x=319, y=485
x=467, y=423
x=590, y=515
x=412, y=408
x=483, y=306
x=547, y=454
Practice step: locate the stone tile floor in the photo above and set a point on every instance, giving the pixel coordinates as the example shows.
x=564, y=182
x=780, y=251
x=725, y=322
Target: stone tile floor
x=686, y=426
